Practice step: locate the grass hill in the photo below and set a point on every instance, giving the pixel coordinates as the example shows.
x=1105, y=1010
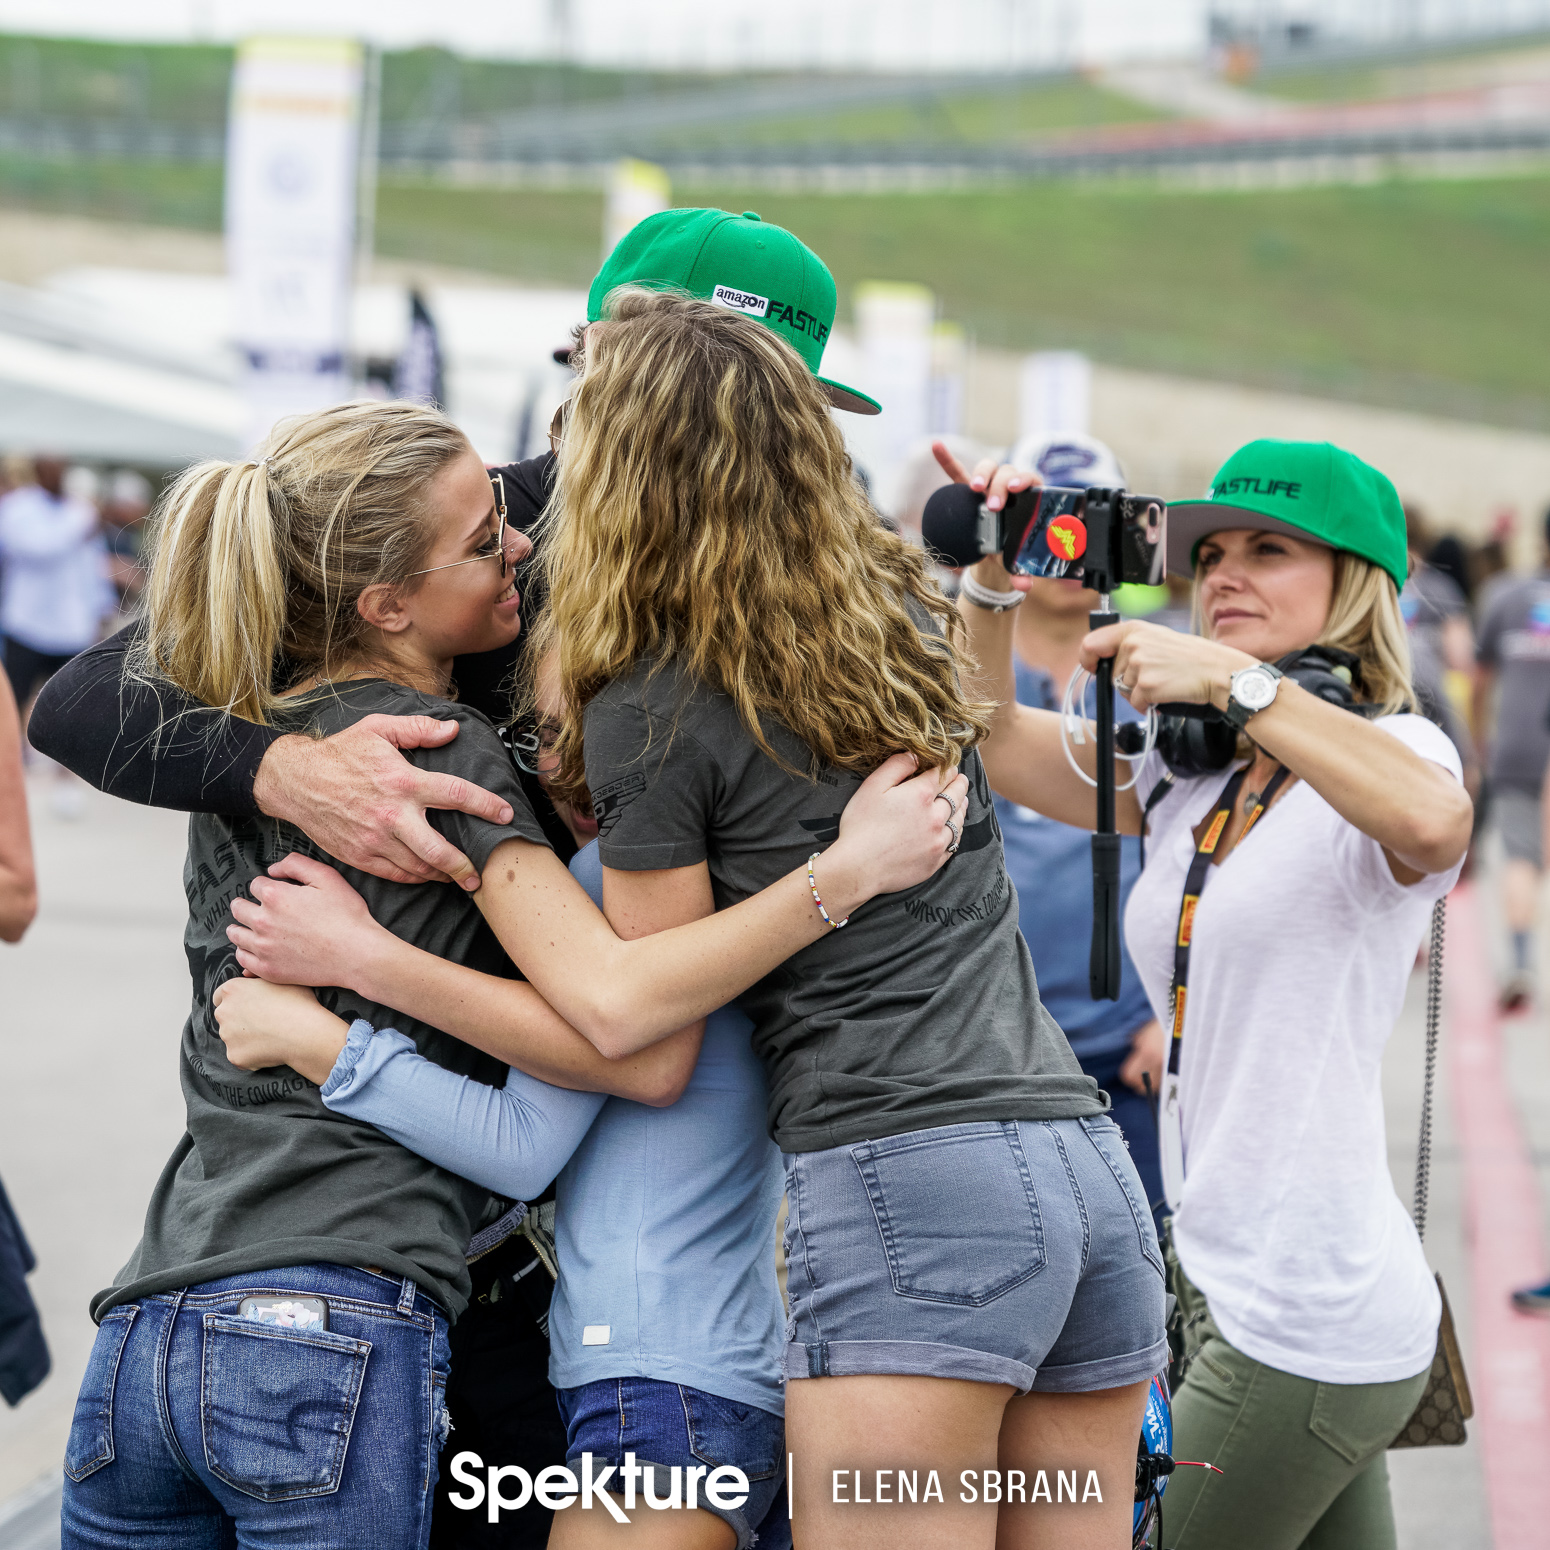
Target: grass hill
x=1418, y=293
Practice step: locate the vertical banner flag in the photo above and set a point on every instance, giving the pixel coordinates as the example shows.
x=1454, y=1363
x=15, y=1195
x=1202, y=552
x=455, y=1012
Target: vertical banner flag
x=636, y=189
x=420, y=371
x=291, y=201
x=1055, y=394
x=949, y=367
x=894, y=329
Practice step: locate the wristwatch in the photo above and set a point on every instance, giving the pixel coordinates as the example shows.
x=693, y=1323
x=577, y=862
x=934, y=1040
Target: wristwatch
x=1252, y=689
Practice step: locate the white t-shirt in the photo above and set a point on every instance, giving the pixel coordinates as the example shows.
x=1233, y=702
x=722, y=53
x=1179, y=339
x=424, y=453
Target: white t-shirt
x=1303, y=944
x=54, y=587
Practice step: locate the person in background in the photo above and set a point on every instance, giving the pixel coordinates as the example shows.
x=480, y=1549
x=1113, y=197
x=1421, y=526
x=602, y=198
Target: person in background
x=24, y=1359
x=1536, y=1299
x=1450, y=556
x=1118, y=1043
x=921, y=477
x=1442, y=643
x=54, y=591
x=1490, y=562
x=1511, y=703
x=18, y=880
x=124, y=511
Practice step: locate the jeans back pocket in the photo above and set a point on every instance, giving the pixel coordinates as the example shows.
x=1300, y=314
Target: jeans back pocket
x=1108, y=1141
x=957, y=1211
x=277, y=1406
x=90, y=1444
x=723, y=1431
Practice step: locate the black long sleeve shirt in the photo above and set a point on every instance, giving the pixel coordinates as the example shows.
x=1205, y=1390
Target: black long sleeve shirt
x=155, y=745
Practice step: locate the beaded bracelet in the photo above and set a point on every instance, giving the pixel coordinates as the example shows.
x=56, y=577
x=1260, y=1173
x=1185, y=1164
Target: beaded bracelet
x=812, y=883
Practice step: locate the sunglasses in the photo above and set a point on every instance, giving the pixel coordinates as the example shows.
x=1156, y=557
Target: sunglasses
x=494, y=550
x=557, y=425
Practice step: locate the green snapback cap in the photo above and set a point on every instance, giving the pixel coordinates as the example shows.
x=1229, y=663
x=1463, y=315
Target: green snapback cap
x=1310, y=489
x=740, y=262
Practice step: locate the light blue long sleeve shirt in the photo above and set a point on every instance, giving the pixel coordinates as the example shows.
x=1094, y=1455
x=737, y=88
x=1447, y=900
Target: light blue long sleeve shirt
x=664, y=1220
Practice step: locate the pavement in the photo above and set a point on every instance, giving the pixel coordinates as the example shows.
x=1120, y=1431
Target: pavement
x=95, y=997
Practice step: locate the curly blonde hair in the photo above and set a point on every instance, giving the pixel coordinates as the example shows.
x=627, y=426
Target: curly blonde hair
x=706, y=513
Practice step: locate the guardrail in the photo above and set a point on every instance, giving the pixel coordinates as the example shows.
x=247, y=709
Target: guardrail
x=458, y=153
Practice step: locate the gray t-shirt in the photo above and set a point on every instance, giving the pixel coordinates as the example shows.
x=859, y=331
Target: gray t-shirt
x=1515, y=640
x=923, y=1011
x=265, y=1175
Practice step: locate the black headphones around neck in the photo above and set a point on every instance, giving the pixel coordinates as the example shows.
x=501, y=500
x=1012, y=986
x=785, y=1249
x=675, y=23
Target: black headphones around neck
x=1199, y=740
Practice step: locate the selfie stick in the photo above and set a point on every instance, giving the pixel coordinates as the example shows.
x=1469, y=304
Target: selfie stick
x=1103, y=964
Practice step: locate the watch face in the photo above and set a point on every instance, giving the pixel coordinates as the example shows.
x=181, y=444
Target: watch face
x=1253, y=688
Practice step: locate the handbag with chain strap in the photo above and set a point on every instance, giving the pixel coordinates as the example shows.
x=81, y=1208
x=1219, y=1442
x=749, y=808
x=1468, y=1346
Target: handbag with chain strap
x=1445, y=1403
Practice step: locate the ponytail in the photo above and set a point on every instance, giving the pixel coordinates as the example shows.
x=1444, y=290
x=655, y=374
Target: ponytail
x=215, y=599
x=257, y=567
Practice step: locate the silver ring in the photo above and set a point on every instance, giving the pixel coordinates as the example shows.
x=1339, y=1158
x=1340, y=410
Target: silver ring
x=952, y=806
x=1122, y=686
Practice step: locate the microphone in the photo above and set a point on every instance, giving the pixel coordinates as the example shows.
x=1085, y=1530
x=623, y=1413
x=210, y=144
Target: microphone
x=950, y=526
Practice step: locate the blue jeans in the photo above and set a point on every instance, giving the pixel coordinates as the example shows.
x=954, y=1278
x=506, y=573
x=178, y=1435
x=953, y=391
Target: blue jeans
x=1136, y=1116
x=1018, y=1252
x=670, y=1427
x=199, y=1430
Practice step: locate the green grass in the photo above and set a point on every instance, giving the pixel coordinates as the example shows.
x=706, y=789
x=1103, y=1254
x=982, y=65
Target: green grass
x=531, y=235
x=125, y=84
x=1419, y=294
x=186, y=194
x=1366, y=80
x=71, y=78
x=1428, y=295
x=997, y=115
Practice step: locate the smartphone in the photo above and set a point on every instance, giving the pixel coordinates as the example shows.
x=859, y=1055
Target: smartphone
x=1045, y=532
x=287, y=1312
x=1143, y=550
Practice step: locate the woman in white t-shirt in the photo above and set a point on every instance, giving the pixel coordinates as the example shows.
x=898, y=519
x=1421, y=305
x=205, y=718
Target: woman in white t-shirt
x=1313, y=1313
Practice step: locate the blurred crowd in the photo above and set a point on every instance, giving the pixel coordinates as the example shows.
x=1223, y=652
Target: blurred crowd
x=70, y=571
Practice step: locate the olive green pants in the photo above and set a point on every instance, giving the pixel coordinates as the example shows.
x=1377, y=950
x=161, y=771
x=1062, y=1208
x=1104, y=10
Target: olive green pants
x=1302, y=1462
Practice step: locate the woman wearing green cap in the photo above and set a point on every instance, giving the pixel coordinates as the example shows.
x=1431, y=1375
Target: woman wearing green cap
x=1281, y=971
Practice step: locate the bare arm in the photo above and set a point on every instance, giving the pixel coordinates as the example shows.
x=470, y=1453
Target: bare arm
x=635, y=992
x=18, y=881
x=1458, y=643
x=353, y=793
x=308, y=931
x=1480, y=706
x=1414, y=809
x=1024, y=760
x=362, y=801
x=623, y=995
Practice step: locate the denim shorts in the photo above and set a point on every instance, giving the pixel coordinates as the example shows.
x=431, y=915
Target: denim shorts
x=673, y=1427
x=197, y=1428
x=1017, y=1252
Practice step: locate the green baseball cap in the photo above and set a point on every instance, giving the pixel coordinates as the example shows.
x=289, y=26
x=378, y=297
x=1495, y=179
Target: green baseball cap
x=736, y=261
x=1310, y=489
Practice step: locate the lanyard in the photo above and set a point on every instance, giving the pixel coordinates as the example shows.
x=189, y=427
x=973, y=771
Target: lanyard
x=1194, y=885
